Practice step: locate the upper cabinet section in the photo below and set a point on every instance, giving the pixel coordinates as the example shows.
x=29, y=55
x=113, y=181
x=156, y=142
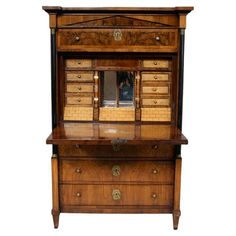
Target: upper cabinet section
x=117, y=29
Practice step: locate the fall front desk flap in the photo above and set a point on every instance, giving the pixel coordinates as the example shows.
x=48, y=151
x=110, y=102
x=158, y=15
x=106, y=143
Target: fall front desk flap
x=109, y=133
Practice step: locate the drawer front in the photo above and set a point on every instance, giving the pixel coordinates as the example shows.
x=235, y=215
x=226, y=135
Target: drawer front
x=162, y=89
x=106, y=170
x=124, y=195
x=79, y=88
x=155, y=76
x=159, y=64
x=79, y=76
x=153, y=151
x=78, y=63
x=155, y=102
x=105, y=39
x=75, y=100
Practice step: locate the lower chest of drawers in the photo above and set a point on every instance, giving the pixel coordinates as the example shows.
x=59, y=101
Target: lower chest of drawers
x=115, y=183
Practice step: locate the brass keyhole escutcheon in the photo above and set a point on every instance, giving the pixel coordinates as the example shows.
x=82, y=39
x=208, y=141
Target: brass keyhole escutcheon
x=117, y=34
x=116, y=170
x=116, y=194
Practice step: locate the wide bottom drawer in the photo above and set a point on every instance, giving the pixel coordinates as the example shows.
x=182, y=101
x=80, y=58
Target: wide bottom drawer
x=125, y=195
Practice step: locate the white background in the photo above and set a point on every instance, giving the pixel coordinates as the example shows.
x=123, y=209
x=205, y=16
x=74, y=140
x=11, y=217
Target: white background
x=209, y=161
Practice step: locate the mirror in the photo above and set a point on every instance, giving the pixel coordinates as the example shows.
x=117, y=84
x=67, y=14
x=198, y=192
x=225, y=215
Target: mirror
x=117, y=88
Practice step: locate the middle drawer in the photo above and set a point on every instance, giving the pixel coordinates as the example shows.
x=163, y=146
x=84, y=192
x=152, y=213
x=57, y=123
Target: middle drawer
x=106, y=170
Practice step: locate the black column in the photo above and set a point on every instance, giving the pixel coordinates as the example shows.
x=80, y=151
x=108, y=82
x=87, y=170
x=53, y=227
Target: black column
x=53, y=83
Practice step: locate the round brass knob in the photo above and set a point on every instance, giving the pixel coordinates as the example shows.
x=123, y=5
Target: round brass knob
x=155, y=77
x=78, y=194
x=79, y=88
x=78, y=170
x=155, y=171
x=154, y=195
x=77, y=38
x=154, y=89
x=79, y=76
x=155, y=102
x=155, y=63
x=157, y=38
x=155, y=147
x=79, y=100
x=79, y=62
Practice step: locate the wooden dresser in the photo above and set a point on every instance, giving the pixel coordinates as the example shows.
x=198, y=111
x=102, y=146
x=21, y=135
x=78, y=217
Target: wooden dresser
x=117, y=95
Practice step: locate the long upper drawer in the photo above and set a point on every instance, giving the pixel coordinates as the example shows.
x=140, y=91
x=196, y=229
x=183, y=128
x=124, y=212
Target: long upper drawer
x=72, y=171
x=117, y=39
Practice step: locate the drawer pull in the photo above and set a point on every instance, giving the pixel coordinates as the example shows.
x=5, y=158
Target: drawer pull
x=154, y=89
x=155, y=63
x=155, y=101
x=116, y=170
x=79, y=76
x=157, y=38
x=77, y=38
x=155, y=147
x=79, y=88
x=78, y=170
x=116, y=194
x=155, y=171
x=79, y=62
x=155, y=77
x=79, y=100
x=78, y=194
x=154, y=196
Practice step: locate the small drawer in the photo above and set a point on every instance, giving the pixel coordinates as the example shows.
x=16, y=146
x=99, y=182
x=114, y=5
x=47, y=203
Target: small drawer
x=78, y=63
x=117, y=171
x=161, y=89
x=79, y=76
x=75, y=100
x=156, y=76
x=161, y=152
x=79, y=88
x=159, y=64
x=123, y=195
x=155, y=102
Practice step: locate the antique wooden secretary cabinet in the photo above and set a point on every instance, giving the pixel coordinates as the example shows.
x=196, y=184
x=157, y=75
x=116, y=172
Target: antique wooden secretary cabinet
x=117, y=92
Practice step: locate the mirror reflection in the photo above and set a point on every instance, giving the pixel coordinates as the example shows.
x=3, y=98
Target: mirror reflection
x=117, y=88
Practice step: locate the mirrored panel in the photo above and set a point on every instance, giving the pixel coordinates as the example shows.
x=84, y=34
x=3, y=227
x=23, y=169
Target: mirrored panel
x=117, y=88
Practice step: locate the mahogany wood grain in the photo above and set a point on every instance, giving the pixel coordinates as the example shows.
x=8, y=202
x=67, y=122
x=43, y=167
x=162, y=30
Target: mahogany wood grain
x=101, y=171
x=130, y=195
x=104, y=133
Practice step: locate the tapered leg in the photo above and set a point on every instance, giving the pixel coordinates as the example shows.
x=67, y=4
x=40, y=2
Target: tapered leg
x=55, y=192
x=55, y=216
x=176, y=211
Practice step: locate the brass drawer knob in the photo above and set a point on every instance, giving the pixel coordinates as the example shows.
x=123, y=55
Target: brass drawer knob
x=155, y=171
x=154, y=195
x=155, y=147
x=155, y=101
x=79, y=88
x=79, y=62
x=79, y=100
x=155, y=63
x=157, y=38
x=77, y=38
x=78, y=194
x=78, y=170
x=116, y=194
x=79, y=76
x=116, y=170
x=155, y=77
x=154, y=89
